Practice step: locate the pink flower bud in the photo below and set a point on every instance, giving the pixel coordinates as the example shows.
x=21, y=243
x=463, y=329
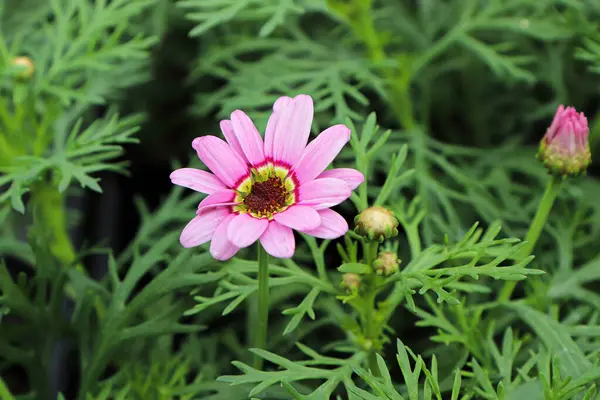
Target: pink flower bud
x=564, y=150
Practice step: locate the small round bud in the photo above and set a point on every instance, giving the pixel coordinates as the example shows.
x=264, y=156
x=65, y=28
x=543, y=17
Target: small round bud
x=351, y=282
x=25, y=66
x=376, y=223
x=387, y=263
x=565, y=150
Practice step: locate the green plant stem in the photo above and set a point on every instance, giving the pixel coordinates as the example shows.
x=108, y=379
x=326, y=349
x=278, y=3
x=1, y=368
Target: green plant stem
x=49, y=216
x=535, y=229
x=370, y=333
x=50, y=230
x=370, y=328
x=260, y=337
x=414, y=239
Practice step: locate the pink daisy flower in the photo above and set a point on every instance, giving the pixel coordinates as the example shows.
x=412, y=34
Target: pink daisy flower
x=262, y=190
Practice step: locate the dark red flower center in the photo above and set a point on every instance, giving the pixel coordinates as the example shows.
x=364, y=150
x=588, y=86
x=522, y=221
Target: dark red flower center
x=266, y=197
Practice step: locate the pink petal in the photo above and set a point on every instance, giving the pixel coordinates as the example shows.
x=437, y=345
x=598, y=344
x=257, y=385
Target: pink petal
x=323, y=193
x=231, y=138
x=287, y=133
x=321, y=152
x=278, y=240
x=201, y=229
x=196, y=179
x=226, y=164
x=220, y=246
x=222, y=198
x=244, y=229
x=280, y=103
x=333, y=225
x=352, y=177
x=248, y=137
x=300, y=218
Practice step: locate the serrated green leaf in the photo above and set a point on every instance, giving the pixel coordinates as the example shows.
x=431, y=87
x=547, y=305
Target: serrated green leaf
x=355, y=268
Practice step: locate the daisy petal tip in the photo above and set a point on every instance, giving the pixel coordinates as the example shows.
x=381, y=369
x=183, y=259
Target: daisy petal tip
x=305, y=98
x=243, y=230
x=237, y=113
x=343, y=130
x=185, y=242
x=281, y=102
x=225, y=124
x=359, y=179
x=289, y=254
x=278, y=240
x=196, y=143
x=333, y=225
x=305, y=102
x=221, y=256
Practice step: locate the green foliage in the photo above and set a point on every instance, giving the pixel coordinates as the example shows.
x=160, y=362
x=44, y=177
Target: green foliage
x=209, y=15
x=75, y=54
x=445, y=101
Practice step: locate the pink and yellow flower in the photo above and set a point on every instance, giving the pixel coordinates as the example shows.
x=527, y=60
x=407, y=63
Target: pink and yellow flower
x=262, y=190
x=564, y=149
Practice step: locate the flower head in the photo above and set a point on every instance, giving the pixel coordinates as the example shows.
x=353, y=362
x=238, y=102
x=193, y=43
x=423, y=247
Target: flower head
x=564, y=150
x=376, y=223
x=387, y=263
x=262, y=190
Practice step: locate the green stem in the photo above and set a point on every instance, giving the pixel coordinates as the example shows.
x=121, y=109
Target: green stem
x=50, y=220
x=370, y=328
x=535, y=229
x=260, y=338
x=414, y=240
x=50, y=229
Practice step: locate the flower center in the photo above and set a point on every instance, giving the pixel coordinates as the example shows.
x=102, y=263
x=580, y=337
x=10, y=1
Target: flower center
x=268, y=190
x=266, y=197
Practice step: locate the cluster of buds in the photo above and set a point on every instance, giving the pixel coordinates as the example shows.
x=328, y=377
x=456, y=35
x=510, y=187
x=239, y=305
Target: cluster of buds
x=565, y=150
x=376, y=223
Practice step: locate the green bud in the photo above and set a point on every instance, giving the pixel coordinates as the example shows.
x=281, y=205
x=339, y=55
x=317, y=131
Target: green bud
x=25, y=66
x=387, y=263
x=351, y=281
x=376, y=223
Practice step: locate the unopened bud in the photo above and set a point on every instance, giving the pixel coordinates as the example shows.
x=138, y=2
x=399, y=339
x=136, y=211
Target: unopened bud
x=565, y=150
x=351, y=281
x=387, y=263
x=25, y=66
x=376, y=223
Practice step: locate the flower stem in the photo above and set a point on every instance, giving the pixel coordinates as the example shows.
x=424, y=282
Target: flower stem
x=260, y=338
x=535, y=229
x=370, y=328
